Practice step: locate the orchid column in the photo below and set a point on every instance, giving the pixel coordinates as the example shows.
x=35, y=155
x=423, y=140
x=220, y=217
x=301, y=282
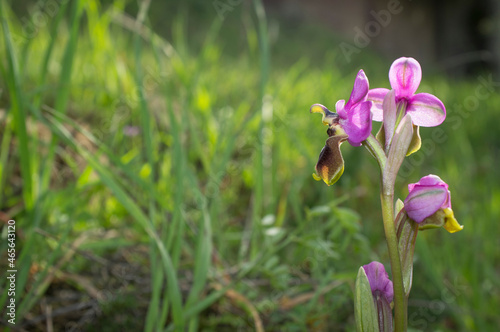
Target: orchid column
x=428, y=204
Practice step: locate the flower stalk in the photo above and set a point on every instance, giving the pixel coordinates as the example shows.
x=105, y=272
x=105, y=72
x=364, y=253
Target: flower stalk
x=376, y=150
x=397, y=275
x=387, y=203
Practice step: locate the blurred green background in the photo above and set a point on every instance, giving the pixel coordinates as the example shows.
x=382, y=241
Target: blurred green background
x=157, y=159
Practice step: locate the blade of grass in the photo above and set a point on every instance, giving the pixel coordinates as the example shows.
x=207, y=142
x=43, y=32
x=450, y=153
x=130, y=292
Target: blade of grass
x=49, y=51
x=201, y=305
x=116, y=161
x=19, y=124
x=204, y=246
x=38, y=288
x=203, y=252
x=261, y=26
x=17, y=110
x=4, y=153
x=64, y=84
x=177, y=225
x=173, y=290
x=152, y=321
x=174, y=232
x=167, y=228
x=38, y=97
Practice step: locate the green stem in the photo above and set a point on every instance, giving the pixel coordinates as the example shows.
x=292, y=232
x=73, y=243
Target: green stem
x=387, y=202
x=397, y=275
x=376, y=150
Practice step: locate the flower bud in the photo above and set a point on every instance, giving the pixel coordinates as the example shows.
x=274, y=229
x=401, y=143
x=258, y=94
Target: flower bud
x=429, y=204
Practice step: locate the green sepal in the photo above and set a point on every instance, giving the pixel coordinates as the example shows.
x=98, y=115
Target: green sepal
x=391, y=119
x=442, y=218
x=381, y=136
x=406, y=230
x=384, y=314
x=416, y=141
x=434, y=221
x=365, y=311
x=398, y=206
x=397, y=151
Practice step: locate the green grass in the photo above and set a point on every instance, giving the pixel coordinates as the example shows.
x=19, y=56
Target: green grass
x=211, y=211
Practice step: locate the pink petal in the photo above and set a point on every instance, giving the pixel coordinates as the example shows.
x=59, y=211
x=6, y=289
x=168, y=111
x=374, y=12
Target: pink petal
x=434, y=180
x=424, y=201
x=426, y=110
x=379, y=280
x=340, y=109
x=447, y=204
x=359, y=90
x=429, y=180
x=405, y=76
x=358, y=124
x=376, y=96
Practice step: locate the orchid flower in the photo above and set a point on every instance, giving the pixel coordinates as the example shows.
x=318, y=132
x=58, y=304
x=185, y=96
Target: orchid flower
x=354, y=116
x=380, y=283
x=383, y=293
x=352, y=122
x=429, y=204
x=405, y=74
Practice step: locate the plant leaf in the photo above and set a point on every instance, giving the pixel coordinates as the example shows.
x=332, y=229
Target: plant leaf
x=406, y=230
x=365, y=311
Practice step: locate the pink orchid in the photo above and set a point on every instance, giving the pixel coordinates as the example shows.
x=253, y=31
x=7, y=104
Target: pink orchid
x=380, y=283
x=352, y=122
x=354, y=117
x=428, y=197
x=426, y=110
